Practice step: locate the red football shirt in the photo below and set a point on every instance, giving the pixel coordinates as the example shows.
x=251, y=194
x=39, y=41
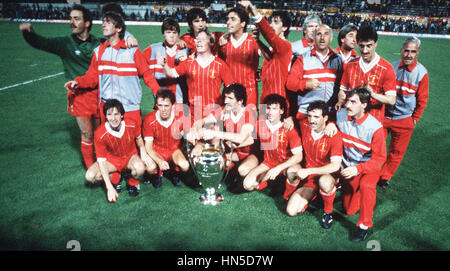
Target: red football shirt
x=116, y=144
x=320, y=149
x=243, y=59
x=380, y=76
x=275, y=70
x=204, y=81
x=166, y=135
x=233, y=124
x=277, y=144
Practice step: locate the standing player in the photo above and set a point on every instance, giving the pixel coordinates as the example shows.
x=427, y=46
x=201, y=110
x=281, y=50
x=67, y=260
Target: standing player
x=347, y=43
x=315, y=75
x=76, y=52
x=306, y=43
x=162, y=130
x=115, y=145
x=282, y=149
x=237, y=123
x=364, y=154
x=412, y=96
x=323, y=159
x=204, y=73
x=241, y=53
x=173, y=53
x=370, y=71
x=277, y=58
x=116, y=70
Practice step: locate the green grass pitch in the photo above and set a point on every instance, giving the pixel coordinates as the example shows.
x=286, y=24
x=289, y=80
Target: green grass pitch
x=45, y=203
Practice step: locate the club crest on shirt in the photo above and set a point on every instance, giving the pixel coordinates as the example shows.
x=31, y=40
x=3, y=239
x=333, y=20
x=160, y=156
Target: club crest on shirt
x=282, y=137
x=213, y=72
x=77, y=52
x=373, y=79
x=323, y=147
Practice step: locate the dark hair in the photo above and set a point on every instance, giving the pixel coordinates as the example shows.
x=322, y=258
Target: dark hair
x=318, y=105
x=277, y=99
x=363, y=94
x=114, y=7
x=193, y=13
x=118, y=21
x=113, y=103
x=242, y=14
x=170, y=24
x=87, y=14
x=165, y=94
x=344, y=31
x=366, y=32
x=285, y=19
x=239, y=91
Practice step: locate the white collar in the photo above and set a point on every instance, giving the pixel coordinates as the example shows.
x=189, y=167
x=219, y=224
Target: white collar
x=165, y=123
x=275, y=127
x=230, y=114
x=114, y=133
x=367, y=67
x=237, y=43
x=324, y=57
x=171, y=51
x=205, y=63
x=316, y=135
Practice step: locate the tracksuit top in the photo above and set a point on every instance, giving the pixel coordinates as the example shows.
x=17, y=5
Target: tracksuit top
x=117, y=70
x=159, y=49
x=310, y=66
x=364, y=145
x=412, y=91
x=300, y=47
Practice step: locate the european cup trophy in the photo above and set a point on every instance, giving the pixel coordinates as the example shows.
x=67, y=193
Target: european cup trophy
x=209, y=168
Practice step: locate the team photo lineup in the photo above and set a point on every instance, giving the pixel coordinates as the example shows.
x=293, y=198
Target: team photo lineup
x=319, y=122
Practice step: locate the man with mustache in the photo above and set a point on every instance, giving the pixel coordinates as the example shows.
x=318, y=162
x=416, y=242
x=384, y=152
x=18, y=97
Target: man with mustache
x=347, y=43
x=323, y=160
x=363, y=156
x=412, y=96
x=315, y=74
x=76, y=52
x=371, y=71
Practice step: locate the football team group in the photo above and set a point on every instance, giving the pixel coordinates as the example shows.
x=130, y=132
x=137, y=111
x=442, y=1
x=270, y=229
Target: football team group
x=319, y=123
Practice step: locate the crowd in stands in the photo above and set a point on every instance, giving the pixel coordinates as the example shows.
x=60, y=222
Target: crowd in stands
x=344, y=13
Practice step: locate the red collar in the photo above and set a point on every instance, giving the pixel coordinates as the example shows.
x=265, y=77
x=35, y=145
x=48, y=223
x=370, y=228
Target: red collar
x=120, y=44
x=306, y=43
x=360, y=120
x=410, y=67
x=314, y=52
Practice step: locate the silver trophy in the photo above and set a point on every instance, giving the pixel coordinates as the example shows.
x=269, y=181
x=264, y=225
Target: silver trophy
x=209, y=169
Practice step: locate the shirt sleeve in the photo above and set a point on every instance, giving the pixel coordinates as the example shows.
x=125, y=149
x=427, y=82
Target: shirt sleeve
x=295, y=142
x=147, y=131
x=51, y=45
x=226, y=75
x=390, y=82
x=90, y=79
x=422, y=98
x=277, y=43
x=295, y=81
x=100, y=148
x=378, y=157
x=145, y=72
x=337, y=147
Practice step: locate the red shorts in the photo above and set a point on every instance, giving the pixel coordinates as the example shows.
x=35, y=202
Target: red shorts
x=312, y=181
x=83, y=103
x=120, y=163
x=165, y=153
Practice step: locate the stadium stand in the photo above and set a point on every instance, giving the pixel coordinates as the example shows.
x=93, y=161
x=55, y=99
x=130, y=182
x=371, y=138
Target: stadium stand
x=405, y=16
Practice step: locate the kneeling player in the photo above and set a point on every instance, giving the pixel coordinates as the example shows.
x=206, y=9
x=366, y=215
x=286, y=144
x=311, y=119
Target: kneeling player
x=281, y=149
x=162, y=133
x=323, y=158
x=115, y=143
x=239, y=124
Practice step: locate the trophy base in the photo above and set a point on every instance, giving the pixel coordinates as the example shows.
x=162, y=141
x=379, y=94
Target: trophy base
x=211, y=199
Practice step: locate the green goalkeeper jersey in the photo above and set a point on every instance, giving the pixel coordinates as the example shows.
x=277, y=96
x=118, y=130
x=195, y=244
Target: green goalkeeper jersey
x=75, y=54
